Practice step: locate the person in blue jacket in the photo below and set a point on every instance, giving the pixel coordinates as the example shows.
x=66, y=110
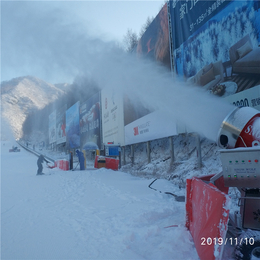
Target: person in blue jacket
x=39, y=164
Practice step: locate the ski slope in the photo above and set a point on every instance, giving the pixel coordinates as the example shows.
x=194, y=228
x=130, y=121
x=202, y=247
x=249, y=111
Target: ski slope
x=92, y=214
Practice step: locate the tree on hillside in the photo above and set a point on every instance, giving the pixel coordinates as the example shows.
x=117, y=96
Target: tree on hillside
x=130, y=40
x=146, y=25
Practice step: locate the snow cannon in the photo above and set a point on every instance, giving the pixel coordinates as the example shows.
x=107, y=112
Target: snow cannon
x=240, y=128
x=239, y=134
x=208, y=205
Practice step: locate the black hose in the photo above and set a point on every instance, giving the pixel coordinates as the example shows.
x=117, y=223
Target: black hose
x=177, y=198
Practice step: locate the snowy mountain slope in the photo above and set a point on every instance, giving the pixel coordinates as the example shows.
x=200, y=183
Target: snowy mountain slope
x=21, y=96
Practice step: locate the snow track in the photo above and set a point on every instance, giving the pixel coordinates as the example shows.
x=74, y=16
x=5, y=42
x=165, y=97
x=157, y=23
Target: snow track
x=96, y=214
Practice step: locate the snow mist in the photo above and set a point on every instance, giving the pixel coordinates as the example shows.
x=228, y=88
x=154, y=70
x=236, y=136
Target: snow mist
x=156, y=89
x=53, y=47
x=6, y=133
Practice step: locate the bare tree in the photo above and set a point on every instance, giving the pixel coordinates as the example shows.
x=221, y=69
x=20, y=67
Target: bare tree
x=130, y=40
x=146, y=25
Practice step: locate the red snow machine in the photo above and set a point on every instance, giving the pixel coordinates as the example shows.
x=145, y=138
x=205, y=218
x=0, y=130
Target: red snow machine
x=208, y=215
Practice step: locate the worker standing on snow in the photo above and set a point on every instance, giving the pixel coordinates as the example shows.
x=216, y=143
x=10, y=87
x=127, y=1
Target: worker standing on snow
x=39, y=164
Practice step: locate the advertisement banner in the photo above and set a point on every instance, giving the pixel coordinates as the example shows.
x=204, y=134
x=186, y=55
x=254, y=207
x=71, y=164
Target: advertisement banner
x=154, y=43
x=189, y=16
x=247, y=98
x=215, y=44
x=90, y=138
x=61, y=125
x=52, y=127
x=72, y=126
x=150, y=127
x=112, y=117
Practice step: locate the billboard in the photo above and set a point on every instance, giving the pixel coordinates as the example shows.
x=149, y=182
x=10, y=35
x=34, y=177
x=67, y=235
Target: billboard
x=90, y=137
x=215, y=44
x=154, y=43
x=52, y=127
x=61, y=125
x=112, y=117
x=247, y=98
x=153, y=126
x=72, y=126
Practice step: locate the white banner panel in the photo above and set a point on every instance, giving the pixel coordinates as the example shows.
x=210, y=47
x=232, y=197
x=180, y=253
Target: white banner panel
x=150, y=127
x=112, y=117
x=246, y=98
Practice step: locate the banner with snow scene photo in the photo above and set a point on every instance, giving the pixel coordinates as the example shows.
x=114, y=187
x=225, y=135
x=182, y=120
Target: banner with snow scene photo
x=72, y=126
x=215, y=44
x=90, y=138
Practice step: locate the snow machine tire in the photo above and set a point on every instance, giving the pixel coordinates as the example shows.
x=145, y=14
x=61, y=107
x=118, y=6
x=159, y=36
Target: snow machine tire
x=245, y=250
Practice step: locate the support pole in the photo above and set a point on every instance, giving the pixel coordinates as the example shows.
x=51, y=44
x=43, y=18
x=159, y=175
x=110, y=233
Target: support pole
x=123, y=154
x=171, y=149
x=148, y=147
x=198, y=148
x=120, y=158
x=132, y=153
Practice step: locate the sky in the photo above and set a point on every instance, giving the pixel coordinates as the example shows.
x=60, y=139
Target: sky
x=44, y=38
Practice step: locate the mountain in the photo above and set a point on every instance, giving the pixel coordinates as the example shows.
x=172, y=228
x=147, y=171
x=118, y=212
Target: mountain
x=20, y=96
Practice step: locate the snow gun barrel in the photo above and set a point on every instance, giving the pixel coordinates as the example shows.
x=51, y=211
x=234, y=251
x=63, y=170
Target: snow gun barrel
x=240, y=128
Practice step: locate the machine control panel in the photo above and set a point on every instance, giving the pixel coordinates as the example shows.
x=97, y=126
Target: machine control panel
x=241, y=167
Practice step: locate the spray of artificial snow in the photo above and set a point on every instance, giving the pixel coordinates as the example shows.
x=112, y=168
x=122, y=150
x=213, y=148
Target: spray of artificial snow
x=66, y=51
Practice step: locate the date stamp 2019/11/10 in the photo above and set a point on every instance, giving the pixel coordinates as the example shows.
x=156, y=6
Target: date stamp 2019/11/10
x=227, y=241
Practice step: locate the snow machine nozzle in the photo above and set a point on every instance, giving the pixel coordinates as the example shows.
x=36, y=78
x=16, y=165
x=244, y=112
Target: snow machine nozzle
x=240, y=128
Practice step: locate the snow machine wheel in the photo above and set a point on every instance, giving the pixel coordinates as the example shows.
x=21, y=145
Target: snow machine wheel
x=250, y=246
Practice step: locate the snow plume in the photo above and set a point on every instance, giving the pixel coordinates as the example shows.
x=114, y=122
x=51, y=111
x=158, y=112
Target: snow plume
x=64, y=50
x=154, y=87
x=6, y=133
x=45, y=40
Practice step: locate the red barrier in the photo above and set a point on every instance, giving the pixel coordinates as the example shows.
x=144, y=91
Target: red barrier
x=219, y=183
x=62, y=164
x=207, y=211
x=96, y=163
x=65, y=165
x=111, y=163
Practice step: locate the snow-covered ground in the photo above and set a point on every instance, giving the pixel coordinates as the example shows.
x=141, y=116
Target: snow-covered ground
x=99, y=214
x=92, y=214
